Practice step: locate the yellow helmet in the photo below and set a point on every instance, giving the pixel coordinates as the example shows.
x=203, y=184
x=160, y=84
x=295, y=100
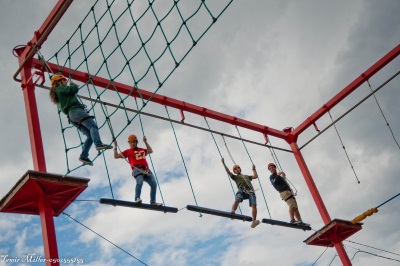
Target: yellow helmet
x=132, y=138
x=57, y=77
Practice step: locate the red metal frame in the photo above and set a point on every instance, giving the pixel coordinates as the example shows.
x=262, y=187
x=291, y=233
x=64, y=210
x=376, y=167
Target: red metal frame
x=26, y=62
x=161, y=99
x=348, y=90
x=25, y=56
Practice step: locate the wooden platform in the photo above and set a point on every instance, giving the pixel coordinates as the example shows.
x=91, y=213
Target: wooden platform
x=285, y=224
x=58, y=191
x=138, y=205
x=219, y=213
x=336, y=230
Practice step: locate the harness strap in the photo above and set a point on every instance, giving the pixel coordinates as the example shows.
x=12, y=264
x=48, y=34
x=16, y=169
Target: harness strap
x=144, y=170
x=247, y=190
x=291, y=196
x=83, y=119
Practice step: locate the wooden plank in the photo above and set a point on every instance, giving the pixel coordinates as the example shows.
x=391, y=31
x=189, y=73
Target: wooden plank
x=285, y=224
x=138, y=205
x=219, y=213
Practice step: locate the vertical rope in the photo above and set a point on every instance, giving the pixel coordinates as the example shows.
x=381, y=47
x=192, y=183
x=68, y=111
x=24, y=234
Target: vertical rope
x=259, y=182
x=183, y=160
x=229, y=178
x=229, y=152
x=383, y=115
x=344, y=148
x=151, y=160
x=41, y=57
x=108, y=175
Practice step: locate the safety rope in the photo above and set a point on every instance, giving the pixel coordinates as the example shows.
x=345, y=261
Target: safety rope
x=244, y=179
x=344, y=148
x=229, y=152
x=220, y=154
x=372, y=247
x=369, y=253
x=259, y=182
x=383, y=115
x=41, y=58
x=320, y=256
x=151, y=160
x=73, y=219
x=183, y=160
x=371, y=211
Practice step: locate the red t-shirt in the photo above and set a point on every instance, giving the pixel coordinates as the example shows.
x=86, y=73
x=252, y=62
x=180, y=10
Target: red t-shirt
x=136, y=157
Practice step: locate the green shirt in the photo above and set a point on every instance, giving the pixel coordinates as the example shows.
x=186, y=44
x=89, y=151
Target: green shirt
x=67, y=99
x=242, y=180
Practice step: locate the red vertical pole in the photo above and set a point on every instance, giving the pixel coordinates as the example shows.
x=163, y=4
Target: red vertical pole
x=32, y=116
x=318, y=201
x=341, y=251
x=48, y=231
x=39, y=163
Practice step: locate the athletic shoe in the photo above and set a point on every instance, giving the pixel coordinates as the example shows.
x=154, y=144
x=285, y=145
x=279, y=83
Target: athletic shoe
x=104, y=147
x=295, y=222
x=255, y=223
x=138, y=200
x=86, y=161
x=156, y=204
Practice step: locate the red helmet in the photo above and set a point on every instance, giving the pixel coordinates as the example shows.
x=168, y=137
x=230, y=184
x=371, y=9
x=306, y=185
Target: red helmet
x=271, y=164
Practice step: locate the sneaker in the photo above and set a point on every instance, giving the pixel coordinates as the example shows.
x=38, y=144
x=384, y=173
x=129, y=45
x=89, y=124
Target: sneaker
x=104, y=147
x=86, y=161
x=156, y=204
x=138, y=200
x=295, y=222
x=255, y=223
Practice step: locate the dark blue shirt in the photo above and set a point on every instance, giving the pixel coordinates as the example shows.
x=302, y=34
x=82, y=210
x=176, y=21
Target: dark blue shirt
x=279, y=182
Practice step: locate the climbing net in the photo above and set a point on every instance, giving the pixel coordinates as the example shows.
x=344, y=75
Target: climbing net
x=133, y=42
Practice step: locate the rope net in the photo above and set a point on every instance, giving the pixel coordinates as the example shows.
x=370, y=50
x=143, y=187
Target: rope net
x=140, y=43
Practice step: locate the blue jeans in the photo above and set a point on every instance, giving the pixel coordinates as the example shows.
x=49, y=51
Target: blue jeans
x=88, y=127
x=240, y=194
x=149, y=179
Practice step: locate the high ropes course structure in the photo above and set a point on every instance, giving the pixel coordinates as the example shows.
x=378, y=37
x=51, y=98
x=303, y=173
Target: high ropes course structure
x=108, y=49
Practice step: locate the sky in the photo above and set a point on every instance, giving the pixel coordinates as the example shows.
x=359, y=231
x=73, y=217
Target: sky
x=269, y=62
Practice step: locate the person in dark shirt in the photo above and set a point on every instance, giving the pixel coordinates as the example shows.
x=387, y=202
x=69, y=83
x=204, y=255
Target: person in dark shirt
x=278, y=181
x=65, y=97
x=245, y=190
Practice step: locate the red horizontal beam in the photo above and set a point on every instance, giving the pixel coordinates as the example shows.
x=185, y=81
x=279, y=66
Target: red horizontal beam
x=161, y=99
x=347, y=90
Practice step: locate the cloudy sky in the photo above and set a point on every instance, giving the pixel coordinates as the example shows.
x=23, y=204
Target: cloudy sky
x=270, y=62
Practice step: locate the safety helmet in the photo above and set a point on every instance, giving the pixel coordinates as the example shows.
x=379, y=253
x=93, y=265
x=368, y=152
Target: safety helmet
x=271, y=164
x=235, y=166
x=132, y=138
x=57, y=77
